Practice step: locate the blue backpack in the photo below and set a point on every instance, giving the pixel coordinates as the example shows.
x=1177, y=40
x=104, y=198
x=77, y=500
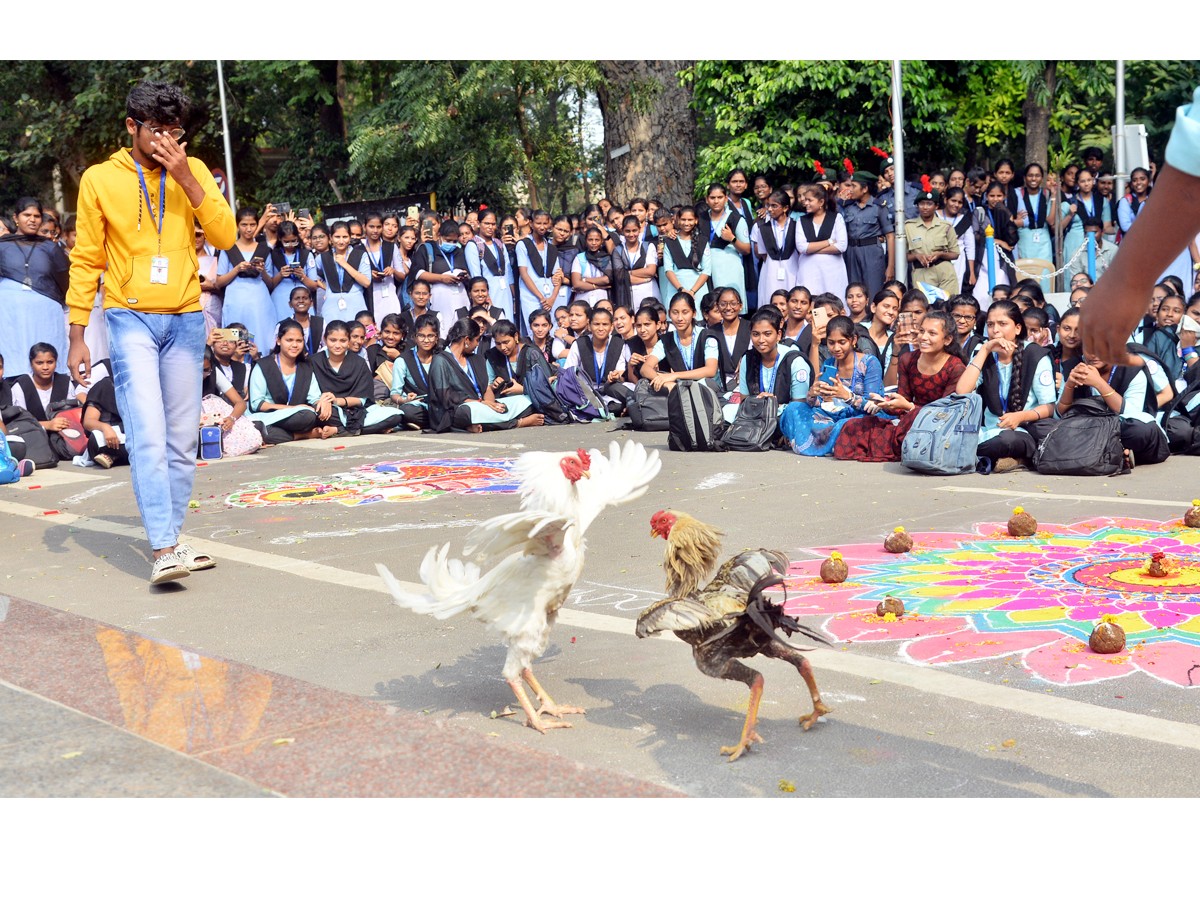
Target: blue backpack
x=944, y=436
x=8, y=465
x=541, y=396
x=579, y=398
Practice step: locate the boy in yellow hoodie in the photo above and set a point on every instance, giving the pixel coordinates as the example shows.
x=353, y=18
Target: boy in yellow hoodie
x=134, y=221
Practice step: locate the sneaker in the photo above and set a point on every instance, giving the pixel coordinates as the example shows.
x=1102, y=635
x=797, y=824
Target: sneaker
x=1007, y=464
x=983, y=465
x=168, y=567
x=103, y=460
x=26, y=467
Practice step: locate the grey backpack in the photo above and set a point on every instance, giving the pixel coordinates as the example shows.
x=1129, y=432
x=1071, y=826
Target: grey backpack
x=694, y=421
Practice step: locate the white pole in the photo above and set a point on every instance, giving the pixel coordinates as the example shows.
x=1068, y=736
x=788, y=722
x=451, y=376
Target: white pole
x=901, y=244
x=1119, y=138
x=225, y=134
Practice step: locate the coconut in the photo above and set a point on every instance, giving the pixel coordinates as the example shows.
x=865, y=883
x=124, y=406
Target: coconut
x=834, y=569
x=893, y=605
x=1022, y=524
x=1192, y=517
x=899, y=541
x=1158, y=566
x=1107, y=637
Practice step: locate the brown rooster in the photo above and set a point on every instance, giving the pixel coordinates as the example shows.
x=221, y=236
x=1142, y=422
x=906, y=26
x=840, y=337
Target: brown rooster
x=729, y=618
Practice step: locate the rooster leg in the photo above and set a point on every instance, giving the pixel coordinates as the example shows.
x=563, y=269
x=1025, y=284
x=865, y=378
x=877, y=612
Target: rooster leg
x=549, y=707
x=732, y=670
x=804, y=667
x=532, y=719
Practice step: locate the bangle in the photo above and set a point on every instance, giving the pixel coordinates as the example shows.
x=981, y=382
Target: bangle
x=973, y=363
x=1109, y=394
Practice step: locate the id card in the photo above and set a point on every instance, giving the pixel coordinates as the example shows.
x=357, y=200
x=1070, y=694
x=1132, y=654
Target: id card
x=779, y=273
x=342, y=303
x=545, y=289
x=158, y=270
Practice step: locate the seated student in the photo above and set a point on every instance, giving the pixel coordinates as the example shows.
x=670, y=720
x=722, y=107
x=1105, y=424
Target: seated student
x=44, y=386
x=479, y=296
x=367, y=320
x=857, y=303
x=572, y=322
x=511, y=360
x=1164, y=339
x=420, y=295
x=1078, y=295
x=1068, y=346
x=382, y=354
x=924, y=376
x=769, y=367
x=1182, y=422
x=543, y=342
x=460, y=388
x=357, y=333
x=797, y=326
x=286, y=403
x=644, y=343
x=1001, y=292
x=410, y=373
x=345, y=375
x=818, y=353
x=591, y=270
x=622, y=322
x=779, y=300
x=301, y=302
x=1126, y=391
x=885, y=309
x=231, y=358
x=733, y=336
x=239, y=436
x=1037, y=324
x=483, y=315
x=849, y=377
x=102, y=422
x=1015, y=377
x=1032, y=289
x=603, y=359
x=673, y=357
x=709, y=314
x=964, y=309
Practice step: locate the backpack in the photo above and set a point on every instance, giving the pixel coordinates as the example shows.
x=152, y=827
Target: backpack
x=944, y=436
x=579, y=398
x=542, y=398
x=1087, y=441
x=71, y=441
x=756, y=425
x=694, y=419
x=8, y=465
x=647, y=409
x=22, y=427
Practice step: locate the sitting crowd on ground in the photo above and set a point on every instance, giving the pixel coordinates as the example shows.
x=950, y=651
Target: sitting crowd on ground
x=435, y=324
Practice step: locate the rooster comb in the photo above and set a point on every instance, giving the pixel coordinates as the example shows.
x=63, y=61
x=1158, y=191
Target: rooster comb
x=585, y=458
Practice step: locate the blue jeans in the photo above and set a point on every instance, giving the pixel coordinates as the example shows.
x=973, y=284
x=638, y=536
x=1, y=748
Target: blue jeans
x=158, y=366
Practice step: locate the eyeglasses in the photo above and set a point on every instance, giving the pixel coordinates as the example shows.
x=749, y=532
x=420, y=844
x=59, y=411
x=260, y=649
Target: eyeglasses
x=729, y=304
x=159, y=130
x=964, y=317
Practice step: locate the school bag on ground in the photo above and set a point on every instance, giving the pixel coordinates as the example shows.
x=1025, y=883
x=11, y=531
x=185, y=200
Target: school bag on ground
x=8, y=465
x=647, y=408
x=23, y=428
x=579, y=398
x=542, y=398
x=72, y=440
x=694, y=418
x=1087, y=441
x=944, y=436
x=755, y=426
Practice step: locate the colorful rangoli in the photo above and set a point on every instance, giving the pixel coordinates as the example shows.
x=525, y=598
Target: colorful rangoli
x=417, y=479
x=981, y=596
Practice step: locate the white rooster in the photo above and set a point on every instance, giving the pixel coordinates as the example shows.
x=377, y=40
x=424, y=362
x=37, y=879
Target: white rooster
x=526, y=563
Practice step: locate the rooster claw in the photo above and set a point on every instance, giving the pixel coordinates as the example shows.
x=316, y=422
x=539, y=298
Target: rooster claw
x=738, y=749
x=553, y=709
x=540, y=725
x=819, y=709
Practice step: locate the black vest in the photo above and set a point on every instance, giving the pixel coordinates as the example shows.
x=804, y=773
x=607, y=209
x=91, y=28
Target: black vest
x=417, y=381
x=587, y=357
x=789, y=239
x=1122, y=377
x=811, y=234
x=674, y=361
x=783, y=374
x=1031, y=355
x=727, y=362
x=714, y=239
x=337, y=280
x=60, y=388
x=535, y=257
x=495, y=261
x=277, y=388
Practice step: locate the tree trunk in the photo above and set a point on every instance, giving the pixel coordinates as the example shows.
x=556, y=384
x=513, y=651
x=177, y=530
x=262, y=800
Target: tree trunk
x=646, y=108
x=1037, y=115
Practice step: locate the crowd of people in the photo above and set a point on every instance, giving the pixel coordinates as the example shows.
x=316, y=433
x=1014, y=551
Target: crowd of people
x=431, y=322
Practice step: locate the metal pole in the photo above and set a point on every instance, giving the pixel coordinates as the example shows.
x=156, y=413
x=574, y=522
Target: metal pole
x=1119, y=138
x=225, y=135
x=901, y=262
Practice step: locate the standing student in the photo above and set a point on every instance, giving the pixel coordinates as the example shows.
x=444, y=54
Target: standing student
x=242, y=272
x=953, y=214
x=1034, y=214
x=769, y=368
x=443, y=266
x=33, y=282
x=687, y=260
x=994, y=213
x=736, y=185
x=568, y=245
x=382, y=295
x=821, y=241
x=1131, y=206
x=635, y=263
x=728, y=241
x=540, y=276
x=345, y=274
x=493, y=264
x=1015, y=378
x=292, y=266
x=591, y=271
x=1087, y=212
x=775, y=243
x=210, y=295
x=135, y=215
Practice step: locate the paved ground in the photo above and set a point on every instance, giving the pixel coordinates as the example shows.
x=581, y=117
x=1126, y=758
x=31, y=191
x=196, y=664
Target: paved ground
x=286, y=670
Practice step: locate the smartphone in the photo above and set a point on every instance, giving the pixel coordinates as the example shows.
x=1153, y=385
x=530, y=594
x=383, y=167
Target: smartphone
x=414, y=212
x=828, y=371
x=229, y=334
x=904, y=322
x=508, y=229
x=820, y=316
x=283, y=208
x=304, y=214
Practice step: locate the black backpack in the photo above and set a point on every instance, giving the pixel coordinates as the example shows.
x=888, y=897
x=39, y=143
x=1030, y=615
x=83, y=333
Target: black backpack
x=647, y=409
x=1087, y=441
x=755, y=427
x=694, y=419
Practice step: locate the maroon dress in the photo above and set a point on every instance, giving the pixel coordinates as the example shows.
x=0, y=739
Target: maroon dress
x=871, y=439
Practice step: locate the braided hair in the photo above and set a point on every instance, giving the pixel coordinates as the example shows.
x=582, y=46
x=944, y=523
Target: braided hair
x=1017, y=389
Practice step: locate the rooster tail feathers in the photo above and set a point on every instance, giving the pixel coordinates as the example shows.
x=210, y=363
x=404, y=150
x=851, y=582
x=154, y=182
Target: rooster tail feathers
x=769, y=617
x=447, y=585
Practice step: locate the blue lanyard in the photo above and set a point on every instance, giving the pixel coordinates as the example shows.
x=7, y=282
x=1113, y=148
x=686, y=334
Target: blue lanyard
x=599, y=361
x=1000, y=383
x=449, y=259
x=377, y=265
x=769, y=387
x=508, y=362
x=471, y=374
x=691, y=350
x=162, y=196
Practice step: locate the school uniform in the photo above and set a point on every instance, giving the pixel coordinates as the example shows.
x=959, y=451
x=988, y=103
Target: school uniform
x=281, y=294
x=730, y=351
x=103, y=398
x=867, y=227
x=584, y=267
x=445, y=299
x=788, y=378
x=382, y=297
x=625, y=262
x=1003, y=229
x=595, y=368
x=344, y=297
x=822, y=272
x=675, y=356
x=994, y=384
x=33, y=284
x=961, y=224
x=1141, y=434
x=298, y=390
x=541, y=265
x=780, y=261
x=451, y=388
x=935, y=237
x=247, y=299
x=352, y=378
x=490, y=260
x=728, y=270
x=688, y=259
x=411, y=376
x=1093, y=211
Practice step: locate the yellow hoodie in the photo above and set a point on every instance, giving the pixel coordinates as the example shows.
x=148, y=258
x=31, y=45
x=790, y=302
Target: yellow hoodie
x=108, y=237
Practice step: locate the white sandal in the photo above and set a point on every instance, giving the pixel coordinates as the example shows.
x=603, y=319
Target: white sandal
x=168, y=567
x=194, y=559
